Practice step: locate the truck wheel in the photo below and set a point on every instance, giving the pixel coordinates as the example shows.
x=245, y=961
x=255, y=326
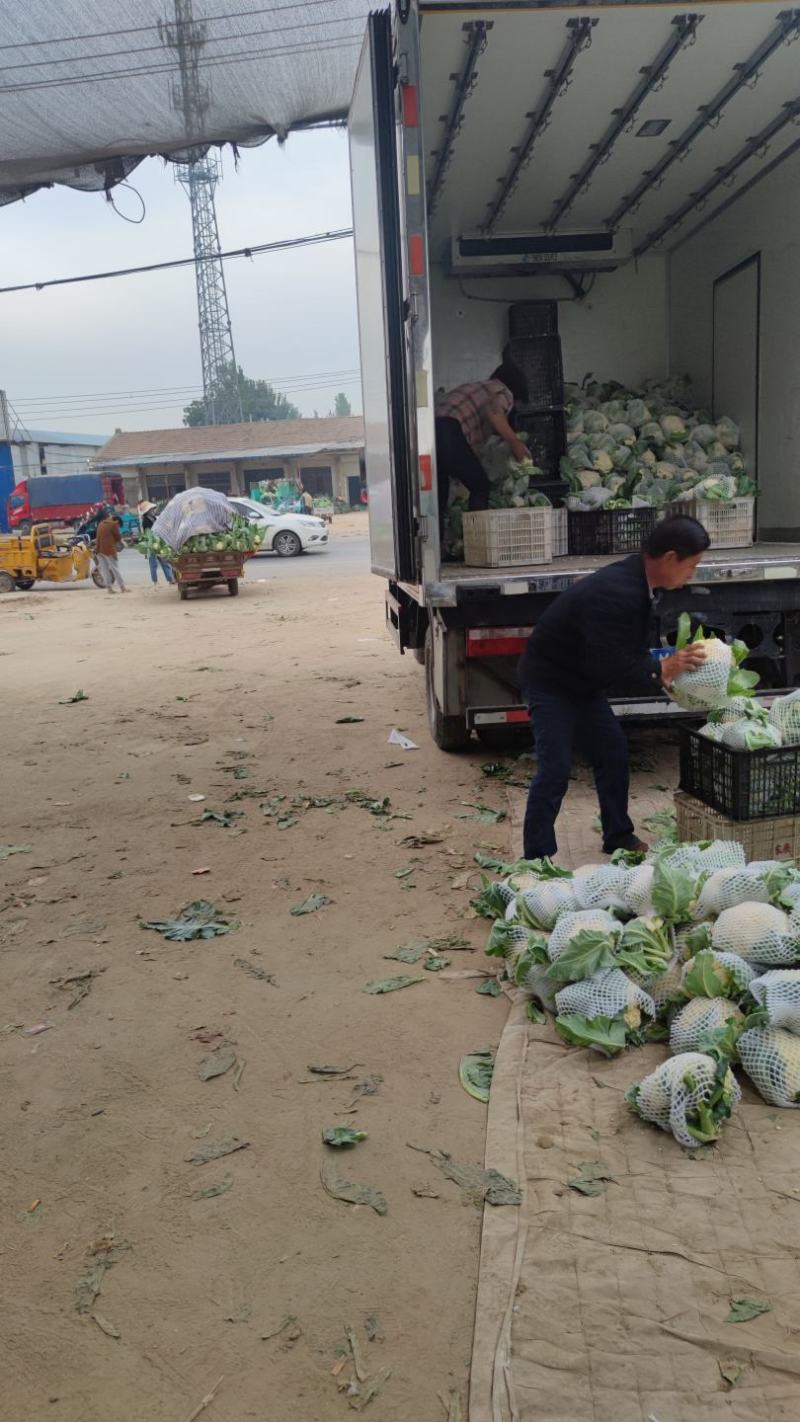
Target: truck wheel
x=450, y=733
x=25, y=584
x=183, y=592
x=7, y=583
x=233, y=587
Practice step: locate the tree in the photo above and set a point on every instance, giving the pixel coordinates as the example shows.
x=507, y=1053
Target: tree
x=341, y=405
x=259, y=401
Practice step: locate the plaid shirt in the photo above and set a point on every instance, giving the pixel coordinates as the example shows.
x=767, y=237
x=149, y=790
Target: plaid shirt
x=470, y=405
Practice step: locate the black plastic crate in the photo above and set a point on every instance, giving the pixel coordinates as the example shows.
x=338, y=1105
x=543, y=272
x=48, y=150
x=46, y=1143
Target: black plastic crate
x=742, y=784
x=532, y=318
x=546, y=438
x=556, y=490
x=610, y=530
x=539, y=359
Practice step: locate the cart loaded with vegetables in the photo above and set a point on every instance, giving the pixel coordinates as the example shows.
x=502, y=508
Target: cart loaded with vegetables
x=204, y=540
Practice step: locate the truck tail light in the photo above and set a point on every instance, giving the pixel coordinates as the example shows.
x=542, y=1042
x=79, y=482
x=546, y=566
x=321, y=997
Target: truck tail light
x=497, y=641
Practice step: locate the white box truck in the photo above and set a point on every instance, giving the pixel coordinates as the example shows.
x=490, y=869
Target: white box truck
x=636, y=165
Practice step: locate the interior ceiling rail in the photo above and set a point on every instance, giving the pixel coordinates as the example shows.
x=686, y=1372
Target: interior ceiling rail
x=790, y=113
x=465, y=80
x=744, y=75
x=653, y=75
x=559, y=79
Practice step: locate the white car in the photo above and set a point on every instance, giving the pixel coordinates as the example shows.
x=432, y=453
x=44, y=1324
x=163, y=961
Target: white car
x=288, y=534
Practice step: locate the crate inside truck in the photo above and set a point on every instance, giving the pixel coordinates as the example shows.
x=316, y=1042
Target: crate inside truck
x=613, y=190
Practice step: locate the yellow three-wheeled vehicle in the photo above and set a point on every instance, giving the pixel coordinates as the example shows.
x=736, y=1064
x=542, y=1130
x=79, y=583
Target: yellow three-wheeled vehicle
x=40, y=555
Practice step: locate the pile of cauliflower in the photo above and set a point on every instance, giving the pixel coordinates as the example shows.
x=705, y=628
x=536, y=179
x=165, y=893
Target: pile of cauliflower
x=647, y=448
x=691, y=946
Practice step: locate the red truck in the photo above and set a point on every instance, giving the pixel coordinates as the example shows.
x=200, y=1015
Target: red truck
x=61, y=498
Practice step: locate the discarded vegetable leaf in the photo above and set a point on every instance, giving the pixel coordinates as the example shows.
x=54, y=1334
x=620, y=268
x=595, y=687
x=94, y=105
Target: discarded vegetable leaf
x=391, y=984
x=216, y=1063
x=214, y=1150
x=79, y=984
x=373, y=1329
x=743, y=1309
x=342, y=1135
x=100, y=1258
x=106, y=1327
x=310, y=905
x=435, y=964
x=490, y=987
x=375, y=807
x=200, y=919
x=479, y=1185
x=483, y=813
x=409, y=952
x=593, y=1178
x=475, y=1074
x=71, y=700
x=220, y=817
x=731, y=1370
x=353, y=1194
x=6, y=850
x=254, y=971
x=604, y=1034
x=348, y=720
x=535, y=1013
x=212, y=1191
x=419, y=841
x=332, y=1070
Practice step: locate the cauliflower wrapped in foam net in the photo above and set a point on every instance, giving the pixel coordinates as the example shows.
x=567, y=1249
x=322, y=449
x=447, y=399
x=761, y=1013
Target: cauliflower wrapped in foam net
x=706, y=686
x=599, y=886
x=778, y=992
x=665, y=989
x=756, y=932
x=690, y=1095
x=637, y=889
x=607, y=994
x=542, y=905
x=691, y=1028
x=725, y=888
x=771, y=1058
x=784, y=715
x=712, y=974
x=569, y=925
x=750, y=735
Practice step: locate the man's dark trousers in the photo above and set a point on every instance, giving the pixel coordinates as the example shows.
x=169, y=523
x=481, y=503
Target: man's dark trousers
x=590, y=726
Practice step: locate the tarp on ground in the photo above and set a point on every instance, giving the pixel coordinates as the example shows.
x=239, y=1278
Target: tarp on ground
x=90, y=87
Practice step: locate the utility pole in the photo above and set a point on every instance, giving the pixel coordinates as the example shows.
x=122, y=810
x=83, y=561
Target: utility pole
x=199, y=176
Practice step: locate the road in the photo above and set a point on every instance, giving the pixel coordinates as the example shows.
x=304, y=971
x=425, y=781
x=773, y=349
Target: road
x=111, y=1029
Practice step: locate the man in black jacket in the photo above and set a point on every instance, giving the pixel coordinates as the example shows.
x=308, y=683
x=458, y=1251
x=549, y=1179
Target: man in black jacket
x=594, y=636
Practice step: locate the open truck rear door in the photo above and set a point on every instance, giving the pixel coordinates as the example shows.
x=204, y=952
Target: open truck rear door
x=382, y=307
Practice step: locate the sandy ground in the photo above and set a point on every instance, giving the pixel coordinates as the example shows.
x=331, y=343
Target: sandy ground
x=101, y=1112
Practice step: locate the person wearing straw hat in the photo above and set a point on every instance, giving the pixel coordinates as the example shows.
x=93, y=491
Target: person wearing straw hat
x=148, y=513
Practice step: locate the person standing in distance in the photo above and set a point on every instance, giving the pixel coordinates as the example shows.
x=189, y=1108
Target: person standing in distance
x=594, y=636
x=108, y=541
x=148, y=513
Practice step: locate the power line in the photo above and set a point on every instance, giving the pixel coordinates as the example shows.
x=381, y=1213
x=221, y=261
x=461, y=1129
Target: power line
x=146, y=29
x=179, y=389
x=283, y=245
x=215, y=62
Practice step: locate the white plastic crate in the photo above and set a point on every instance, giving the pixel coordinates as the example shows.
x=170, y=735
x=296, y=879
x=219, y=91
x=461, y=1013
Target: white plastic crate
x=777, y=838
x=729, y=523
x=500, y=538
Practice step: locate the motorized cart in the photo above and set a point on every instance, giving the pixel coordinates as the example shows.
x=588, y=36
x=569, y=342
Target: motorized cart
x=197, y=572
x=39, y=556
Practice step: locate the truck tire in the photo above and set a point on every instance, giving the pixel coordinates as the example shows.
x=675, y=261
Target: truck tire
x=183, y=592
x=450, y=733
x=25, y=584
x=7, y=583
x=233, y=587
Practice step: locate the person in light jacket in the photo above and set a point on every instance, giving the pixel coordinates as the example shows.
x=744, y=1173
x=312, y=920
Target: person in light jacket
x=108, y=541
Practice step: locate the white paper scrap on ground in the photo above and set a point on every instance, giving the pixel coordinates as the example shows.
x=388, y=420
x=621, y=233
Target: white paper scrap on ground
x=398, y=739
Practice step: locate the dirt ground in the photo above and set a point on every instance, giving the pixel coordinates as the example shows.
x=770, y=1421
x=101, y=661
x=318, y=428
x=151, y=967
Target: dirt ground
x=102, y=1111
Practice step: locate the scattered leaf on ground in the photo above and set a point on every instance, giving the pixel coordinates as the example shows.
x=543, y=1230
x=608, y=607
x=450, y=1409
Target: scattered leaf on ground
x=375, y=807
x=79, y=984
x=332, y=1070
x=732, y=1370
x=373, y=1329
x=475, y=1073
x=358, y=1365
x=370, y=1389
x=419, y=841
x=478, y=1185
x=490, y=987
x=391, y=984
x=106, y=1327
x=212, y=1191
x=483, y=813
x=100, y=1257
x=219, y=817
x=409, y=952
x=6, y=850
x=214, y=1150
x=593, y=1178
x=370, y=1086
x=435, y=964
x=276, y=1332
x=216, y=1063
x=342, y=1135
x=349, y=720
x=535, y=1013
x=200, y=919
x=71, y=700
x=238, y=1074
x=743, y=1309
x=310, y=905
x=353, y=1194
x=424, y=1192
x=254, y=971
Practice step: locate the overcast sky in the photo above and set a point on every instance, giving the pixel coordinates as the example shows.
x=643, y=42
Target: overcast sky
x=293, y=313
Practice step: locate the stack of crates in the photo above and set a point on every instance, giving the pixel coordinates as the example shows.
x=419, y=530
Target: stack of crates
x=750, y=796
x=535, y=346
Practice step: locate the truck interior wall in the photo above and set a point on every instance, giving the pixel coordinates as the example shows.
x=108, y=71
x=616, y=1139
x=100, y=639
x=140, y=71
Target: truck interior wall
x=619, y=331
x=765, y=221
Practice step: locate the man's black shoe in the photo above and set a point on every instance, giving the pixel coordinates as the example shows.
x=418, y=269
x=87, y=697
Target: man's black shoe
x=630, y=841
